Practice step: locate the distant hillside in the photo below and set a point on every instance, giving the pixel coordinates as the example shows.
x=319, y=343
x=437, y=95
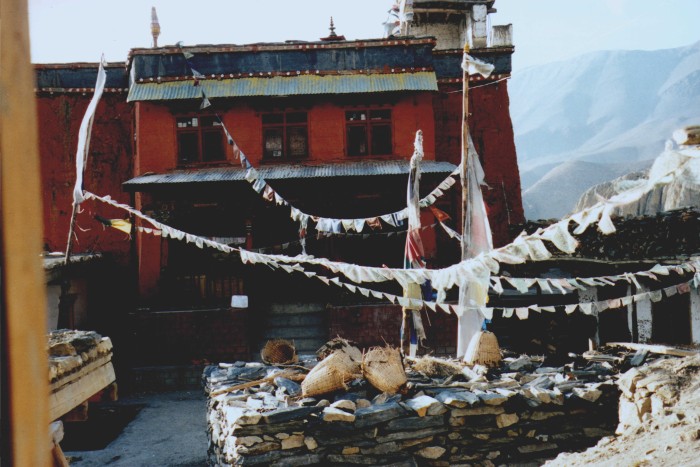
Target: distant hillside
x=601, y=108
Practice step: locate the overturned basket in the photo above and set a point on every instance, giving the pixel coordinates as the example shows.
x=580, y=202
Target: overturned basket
x=383, y=368
x=279, y=352
x=483, y=350
x=331, y=374
x=435, y=367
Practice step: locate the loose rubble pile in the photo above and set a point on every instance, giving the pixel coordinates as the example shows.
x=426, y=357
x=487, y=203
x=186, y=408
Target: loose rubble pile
x=447, y=414
x=646, y=392
x=659, y=418
x=70, y=351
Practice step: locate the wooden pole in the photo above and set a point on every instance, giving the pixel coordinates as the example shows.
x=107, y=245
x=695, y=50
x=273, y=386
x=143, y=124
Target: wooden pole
x=465, y=155
x=25, y=389
x=71, y=230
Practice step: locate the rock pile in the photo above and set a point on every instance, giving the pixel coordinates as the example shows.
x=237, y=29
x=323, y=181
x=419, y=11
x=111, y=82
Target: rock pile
x=521, y=411
x=70, y=351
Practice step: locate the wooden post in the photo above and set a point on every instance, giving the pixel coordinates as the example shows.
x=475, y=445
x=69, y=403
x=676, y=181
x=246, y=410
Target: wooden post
x=25, y=365
x=695, y=315
x=591, y=295
x=644, y=319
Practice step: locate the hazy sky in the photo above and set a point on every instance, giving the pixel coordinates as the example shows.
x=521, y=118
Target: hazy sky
x=544, y=30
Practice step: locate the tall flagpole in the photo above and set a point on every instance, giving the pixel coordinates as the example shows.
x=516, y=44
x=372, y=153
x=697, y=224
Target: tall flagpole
x=476, y=233
x=461, y=340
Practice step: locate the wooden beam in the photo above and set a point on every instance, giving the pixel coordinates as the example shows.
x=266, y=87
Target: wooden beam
x=59, y=459
x=659, y=349
x=98, y=362
x=73, y=394
x=23, y=294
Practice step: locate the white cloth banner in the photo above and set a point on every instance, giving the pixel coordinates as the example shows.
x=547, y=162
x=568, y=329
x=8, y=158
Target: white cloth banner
x=85, y=132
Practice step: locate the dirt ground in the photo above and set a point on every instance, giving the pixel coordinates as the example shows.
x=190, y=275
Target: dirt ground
x=168, y=430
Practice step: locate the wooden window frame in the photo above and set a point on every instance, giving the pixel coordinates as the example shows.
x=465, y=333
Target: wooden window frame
x=200, y=130
x=284, y=126
x=368, y=123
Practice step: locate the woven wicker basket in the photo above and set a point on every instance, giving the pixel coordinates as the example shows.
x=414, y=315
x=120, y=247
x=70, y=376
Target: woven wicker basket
x=279, y=352
x=338, y=343
x=331, y=374
x=483, y=350
x=383, y=368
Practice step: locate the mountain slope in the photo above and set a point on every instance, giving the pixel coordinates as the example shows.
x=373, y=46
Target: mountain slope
x=603, y=107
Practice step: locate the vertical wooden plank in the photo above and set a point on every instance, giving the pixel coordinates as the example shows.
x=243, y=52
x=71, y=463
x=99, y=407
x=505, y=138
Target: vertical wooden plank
x=23, y=294
x=695, y=315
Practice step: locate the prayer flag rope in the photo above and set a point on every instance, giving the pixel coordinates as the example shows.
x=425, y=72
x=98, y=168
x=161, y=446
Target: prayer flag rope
x=563, y=285
x=520, y=250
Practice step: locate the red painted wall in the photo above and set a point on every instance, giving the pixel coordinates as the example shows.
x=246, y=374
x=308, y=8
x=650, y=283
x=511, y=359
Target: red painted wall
x=156, y=143
x=108, y=165
x=185, y=337
x=492, y=132
x=377, y=325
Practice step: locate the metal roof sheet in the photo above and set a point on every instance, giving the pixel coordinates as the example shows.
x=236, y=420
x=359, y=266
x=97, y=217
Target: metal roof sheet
x=288, y=171
x=284, y=86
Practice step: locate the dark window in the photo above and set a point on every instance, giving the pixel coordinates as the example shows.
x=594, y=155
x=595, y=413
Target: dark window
x=368, y=132
x=199, y=139
x=285, y=135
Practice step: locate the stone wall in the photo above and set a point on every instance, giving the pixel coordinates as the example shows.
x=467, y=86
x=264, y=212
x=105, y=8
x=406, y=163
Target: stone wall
x=518, y=416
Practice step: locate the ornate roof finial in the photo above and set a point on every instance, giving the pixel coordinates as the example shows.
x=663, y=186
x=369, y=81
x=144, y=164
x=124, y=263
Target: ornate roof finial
x=333, y=36
x=155, y=26
x=332, y=28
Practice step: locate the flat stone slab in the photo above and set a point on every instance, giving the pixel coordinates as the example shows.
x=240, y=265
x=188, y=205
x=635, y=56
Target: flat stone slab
x=457, y=399
x=493, y=398
x=426, y=405
x=332, y=414
x=414, y=423
x=378, y=413
x=344, y=404
x=287, y=414
x=292, y=388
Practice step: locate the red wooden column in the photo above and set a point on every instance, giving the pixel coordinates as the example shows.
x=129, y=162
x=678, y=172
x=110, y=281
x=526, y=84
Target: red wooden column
x=25, y=390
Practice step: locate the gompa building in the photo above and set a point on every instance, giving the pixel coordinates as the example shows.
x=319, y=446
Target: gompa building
x=329, y=125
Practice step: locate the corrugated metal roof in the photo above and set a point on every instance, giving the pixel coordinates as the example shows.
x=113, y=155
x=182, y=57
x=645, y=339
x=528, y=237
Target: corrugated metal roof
x=285, y=86
x=287, y=171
